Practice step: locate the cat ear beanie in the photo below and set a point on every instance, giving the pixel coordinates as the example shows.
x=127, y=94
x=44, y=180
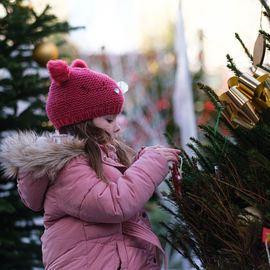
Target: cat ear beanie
x=77, y=94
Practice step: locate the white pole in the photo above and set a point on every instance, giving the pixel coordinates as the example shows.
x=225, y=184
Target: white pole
x=184, y=115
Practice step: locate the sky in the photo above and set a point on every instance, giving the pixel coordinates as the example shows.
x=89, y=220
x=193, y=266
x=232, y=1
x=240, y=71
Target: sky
x=111, y=23
x=219, y=21
x=118, y=24
x=121, y=25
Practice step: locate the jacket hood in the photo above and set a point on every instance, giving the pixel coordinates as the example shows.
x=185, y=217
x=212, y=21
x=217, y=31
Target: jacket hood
x=39, y=155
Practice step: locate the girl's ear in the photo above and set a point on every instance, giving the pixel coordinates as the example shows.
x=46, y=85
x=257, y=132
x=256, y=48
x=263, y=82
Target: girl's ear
x=79, y=63
x=59, y=70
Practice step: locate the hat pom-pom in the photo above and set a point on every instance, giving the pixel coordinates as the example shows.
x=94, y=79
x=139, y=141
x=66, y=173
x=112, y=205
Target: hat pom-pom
x=59, y=70
x=79, y=63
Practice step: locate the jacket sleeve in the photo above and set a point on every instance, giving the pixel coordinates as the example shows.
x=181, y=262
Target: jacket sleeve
x=82, y=194
x=138, y=154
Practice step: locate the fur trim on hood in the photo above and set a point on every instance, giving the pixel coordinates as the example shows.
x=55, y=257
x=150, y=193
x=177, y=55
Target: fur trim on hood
x=40, y=155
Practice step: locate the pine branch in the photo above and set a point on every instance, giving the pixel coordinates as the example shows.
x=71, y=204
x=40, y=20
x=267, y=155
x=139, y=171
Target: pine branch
x=264, y=68
x=208, y=89
x=267, y=47
x=205, y=148
x=172, y=191
x=170, y=139
x=211, y=94
x=265, y=34
x=167, y=209
x=244, y=47
x=186, y=157
x=200, y=158
x=183, y=251
x=211, y=131
x=217, y=142
x=232, y=66
x=266, y=7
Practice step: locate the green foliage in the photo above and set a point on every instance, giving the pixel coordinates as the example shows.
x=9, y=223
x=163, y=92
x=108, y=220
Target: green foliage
x=211, y=94
x=266, y=7
x=23, y=87
x=244, y=47
x=231, y=65
x=224, y=178
x=217, y=186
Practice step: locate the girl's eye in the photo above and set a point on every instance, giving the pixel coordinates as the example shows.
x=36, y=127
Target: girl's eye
x=109, y=120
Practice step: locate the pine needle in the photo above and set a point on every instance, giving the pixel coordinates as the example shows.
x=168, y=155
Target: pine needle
x=266, y=7
x=244, y=47
x=211, y=94
x=231, y=65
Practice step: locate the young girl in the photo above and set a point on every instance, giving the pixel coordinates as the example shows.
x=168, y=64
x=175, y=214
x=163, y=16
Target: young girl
x=92, y=190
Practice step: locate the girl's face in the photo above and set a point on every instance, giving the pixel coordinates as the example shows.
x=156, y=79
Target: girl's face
x=108, y=123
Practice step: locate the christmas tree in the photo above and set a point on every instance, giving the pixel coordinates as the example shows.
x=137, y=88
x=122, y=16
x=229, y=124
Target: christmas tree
x=221, y=204
x=23, y=86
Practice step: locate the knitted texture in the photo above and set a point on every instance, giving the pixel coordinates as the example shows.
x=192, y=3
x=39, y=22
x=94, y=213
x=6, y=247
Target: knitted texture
x=77, y=94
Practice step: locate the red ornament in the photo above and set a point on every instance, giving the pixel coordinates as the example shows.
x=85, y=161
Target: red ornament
x=176, y=178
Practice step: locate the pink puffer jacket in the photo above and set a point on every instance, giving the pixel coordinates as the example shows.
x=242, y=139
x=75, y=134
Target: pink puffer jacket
x=88, y=224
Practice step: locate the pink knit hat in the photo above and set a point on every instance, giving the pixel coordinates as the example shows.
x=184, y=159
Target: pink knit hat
x=77, y=94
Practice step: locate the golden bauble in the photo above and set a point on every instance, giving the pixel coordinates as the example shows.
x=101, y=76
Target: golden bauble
x=25, y=7
x=44, y=52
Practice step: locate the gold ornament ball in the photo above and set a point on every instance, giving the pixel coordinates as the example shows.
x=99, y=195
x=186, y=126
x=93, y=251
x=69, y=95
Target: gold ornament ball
x=44, y=52
x=25, y=6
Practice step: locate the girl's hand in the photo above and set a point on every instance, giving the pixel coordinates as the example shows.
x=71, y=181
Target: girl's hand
x=169, y=154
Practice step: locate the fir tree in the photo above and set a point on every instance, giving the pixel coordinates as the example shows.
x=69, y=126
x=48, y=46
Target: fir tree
x=22, y=96
x=225, y=202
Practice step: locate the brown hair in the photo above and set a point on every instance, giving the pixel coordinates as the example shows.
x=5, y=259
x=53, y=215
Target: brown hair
x=93, y=136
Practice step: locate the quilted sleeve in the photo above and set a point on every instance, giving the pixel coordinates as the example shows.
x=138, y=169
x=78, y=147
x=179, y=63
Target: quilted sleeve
x=82, y=194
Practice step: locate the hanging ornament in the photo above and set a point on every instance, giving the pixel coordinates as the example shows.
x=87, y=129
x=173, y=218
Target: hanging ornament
x=245, y=100
x=259, y=50
x=44, y=52
x=177, y=177
x=253, y=214
x=248, y=95
x=25, y=5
